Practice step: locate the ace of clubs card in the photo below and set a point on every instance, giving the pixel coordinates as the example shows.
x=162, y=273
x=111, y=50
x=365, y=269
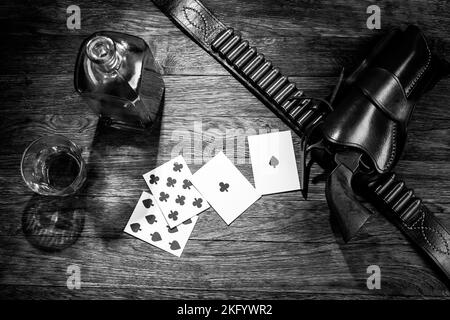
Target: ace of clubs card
x=225, y=188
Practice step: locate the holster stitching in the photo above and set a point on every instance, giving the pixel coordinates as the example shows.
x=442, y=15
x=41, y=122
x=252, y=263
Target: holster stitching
x=421, y=73
x=393, y=146
x=206, y=30
x=422, y=229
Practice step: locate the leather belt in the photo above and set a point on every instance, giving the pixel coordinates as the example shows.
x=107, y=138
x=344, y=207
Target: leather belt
x=407, y=211
x=245, y=63
x=302, y=115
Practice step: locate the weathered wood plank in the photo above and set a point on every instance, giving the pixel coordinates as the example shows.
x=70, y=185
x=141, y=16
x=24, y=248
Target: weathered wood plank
x=190, y=96
x=300, y=56
x=218, y=265
x=197, y=134
x=129, y=155
x=10, y=292
x=262, y=18
x=119, y=168
x=179, y=55
x=309, y=39
x=272, y=218
x=232, y=107
x=185, y=95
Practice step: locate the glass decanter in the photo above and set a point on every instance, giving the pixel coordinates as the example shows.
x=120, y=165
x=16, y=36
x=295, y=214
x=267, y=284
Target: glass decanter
x=119, y=78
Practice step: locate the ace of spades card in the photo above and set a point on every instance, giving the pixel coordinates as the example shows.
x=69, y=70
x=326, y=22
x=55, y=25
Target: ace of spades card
x=174, y=193
x=273, y=162
x=148, y=224
x=225, y=188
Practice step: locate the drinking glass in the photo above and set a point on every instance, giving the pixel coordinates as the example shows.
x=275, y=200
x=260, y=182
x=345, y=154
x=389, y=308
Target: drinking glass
x=53, y=166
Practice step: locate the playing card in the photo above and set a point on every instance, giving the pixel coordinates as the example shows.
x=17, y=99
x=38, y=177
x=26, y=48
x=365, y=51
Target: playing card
x=273, y=162
x=225, y=188
x=174, y=193
x=148, y=224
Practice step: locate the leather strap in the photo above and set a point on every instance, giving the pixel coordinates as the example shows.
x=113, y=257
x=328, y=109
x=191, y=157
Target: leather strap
x=411, y=216
x=244, y=62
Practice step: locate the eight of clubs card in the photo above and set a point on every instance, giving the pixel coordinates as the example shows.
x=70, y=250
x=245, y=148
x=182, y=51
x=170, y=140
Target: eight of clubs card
x=174, y=193
x=148, y=224
x=225, y=188
x=273, y=162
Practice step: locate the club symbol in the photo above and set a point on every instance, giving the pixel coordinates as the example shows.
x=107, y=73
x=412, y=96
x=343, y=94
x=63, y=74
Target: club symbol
x=163, y=196
x=173, y=215
x=174, y=245
x=224, y=186
x=171, y=182
x=135, y=227
x=147, y=203
x=177, y=167
x=156, y=236
x=172, y=230
x=188, y=221
x=187, y=184
x=180, y=200
x=197, y=202
x=151, y=219
x=153, y=179
x=273, y=162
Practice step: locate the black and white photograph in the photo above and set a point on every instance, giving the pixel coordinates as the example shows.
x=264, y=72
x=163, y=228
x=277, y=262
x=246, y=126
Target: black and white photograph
x=223, y=155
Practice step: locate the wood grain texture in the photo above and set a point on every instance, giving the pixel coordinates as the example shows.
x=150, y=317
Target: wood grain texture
x=281, y=247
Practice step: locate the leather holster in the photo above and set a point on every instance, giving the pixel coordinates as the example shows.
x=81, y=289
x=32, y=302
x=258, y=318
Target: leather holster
x=373, y=110
x=368, y=125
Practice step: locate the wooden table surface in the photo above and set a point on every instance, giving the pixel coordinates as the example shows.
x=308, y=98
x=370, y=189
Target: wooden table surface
x=282, y=246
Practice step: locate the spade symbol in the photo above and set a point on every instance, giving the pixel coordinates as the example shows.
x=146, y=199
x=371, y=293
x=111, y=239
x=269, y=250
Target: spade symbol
x=274, y=162
x=151, y=219
x=173, y=230
x=155, y=236
x=174, y=245
x=147, y=203
x=135, y=227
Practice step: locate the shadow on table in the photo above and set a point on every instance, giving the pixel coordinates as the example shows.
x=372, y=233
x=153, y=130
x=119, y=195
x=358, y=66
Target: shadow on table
x=53, y=223
x=117, y=161
x=357, y=261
